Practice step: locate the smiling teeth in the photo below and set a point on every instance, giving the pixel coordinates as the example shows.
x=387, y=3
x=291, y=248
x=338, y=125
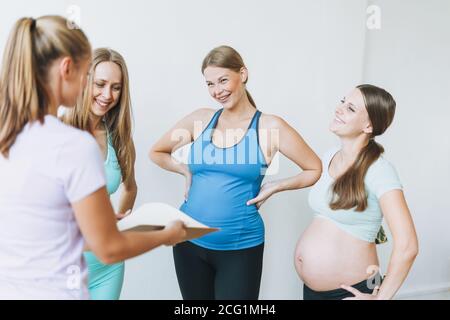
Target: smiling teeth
x=102, y=104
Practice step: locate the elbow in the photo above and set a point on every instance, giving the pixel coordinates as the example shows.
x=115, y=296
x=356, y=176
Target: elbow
x=317, y=173
x=413, y=252
x=152, y=155
x=108, y=257
x=109, y=253
x=132, y=188
x=319, y=168
x=410, y=250
x=155, y=155
x=413, y=248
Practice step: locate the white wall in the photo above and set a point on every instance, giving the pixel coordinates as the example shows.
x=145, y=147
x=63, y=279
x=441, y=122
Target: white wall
x=303, y=56
x=410, y=55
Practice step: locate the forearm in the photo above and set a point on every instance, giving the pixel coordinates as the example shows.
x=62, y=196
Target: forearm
x=304, y=179
x=398, y=268
x=167, y=162
x=134, y=243
x=127, y=200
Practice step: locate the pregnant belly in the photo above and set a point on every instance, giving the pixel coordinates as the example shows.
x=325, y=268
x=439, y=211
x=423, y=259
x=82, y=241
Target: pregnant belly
x=327, y=257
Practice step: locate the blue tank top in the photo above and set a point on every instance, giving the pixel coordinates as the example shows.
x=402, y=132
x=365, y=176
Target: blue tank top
x=113, y=172
x=223, y=180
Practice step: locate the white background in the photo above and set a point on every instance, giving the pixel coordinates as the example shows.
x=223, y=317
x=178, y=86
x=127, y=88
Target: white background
x=303, y=56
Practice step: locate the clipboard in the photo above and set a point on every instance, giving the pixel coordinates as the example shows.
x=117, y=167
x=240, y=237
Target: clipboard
x=156, y=215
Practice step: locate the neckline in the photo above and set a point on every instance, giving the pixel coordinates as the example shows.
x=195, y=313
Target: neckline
x=333, y=154
x=243, y=137
x=51, y=117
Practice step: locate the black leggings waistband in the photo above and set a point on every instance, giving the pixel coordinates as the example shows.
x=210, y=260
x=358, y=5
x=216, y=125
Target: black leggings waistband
x=365, y=286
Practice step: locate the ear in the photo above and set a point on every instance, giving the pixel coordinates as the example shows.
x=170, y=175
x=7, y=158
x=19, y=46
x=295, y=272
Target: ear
x=244, y=74
x=66, y=67
x=368, y=129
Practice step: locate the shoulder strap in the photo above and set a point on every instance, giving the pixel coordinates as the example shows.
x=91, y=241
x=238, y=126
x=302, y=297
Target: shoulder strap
x=213, y=123
x=255, y=121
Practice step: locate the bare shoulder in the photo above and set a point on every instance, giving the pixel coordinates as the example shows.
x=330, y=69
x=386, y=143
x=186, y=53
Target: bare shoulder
x=200, y=115
x=271, y=121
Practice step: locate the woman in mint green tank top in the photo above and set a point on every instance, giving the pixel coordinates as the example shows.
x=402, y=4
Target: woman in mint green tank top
x=105, y=111
x=336, y=256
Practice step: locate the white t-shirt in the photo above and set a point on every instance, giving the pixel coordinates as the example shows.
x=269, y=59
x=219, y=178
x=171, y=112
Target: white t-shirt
x=50, y=166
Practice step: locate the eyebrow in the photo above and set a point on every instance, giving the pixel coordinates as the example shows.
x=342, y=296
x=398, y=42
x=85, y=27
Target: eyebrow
x=220, y=78
x=345, y=99
x=103, y=80
x=354, y=106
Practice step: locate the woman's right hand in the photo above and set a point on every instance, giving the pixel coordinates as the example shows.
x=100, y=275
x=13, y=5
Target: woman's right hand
x=176, y=231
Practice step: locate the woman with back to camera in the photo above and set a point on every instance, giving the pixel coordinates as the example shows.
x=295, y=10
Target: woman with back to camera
x=52, y=191
x=226, y=166
x=336, y=256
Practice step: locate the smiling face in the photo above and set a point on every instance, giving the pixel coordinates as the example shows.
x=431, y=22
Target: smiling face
x=351, y=116
x=106, y=87
x=226, y=86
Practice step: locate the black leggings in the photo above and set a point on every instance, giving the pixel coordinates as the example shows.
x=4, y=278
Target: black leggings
x=205, y=274
x=340, y=294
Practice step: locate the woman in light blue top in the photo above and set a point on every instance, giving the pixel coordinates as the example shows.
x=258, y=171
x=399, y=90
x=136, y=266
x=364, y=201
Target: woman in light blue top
x=105, y=111
x=336, y=256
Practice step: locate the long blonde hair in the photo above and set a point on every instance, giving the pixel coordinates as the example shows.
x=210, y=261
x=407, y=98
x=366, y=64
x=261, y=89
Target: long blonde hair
x=31, y=48
x=118, y=120
x=228, y=58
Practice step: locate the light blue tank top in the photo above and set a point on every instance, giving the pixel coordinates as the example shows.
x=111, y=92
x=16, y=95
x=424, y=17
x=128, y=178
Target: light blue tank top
x=112, y=167
x=223, y=180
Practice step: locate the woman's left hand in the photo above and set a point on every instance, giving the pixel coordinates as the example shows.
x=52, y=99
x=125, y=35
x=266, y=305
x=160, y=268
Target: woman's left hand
x=267, y=190
x=358, y=295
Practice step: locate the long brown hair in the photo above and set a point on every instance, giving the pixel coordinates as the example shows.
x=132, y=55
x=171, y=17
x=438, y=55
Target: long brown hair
x=32, y=47
x=229, y=58
x=348, y=190
x=118, y=120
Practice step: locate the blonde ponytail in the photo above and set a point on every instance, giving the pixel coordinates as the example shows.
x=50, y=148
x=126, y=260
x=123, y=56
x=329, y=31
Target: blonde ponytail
x=18, y=85
x=31, y=48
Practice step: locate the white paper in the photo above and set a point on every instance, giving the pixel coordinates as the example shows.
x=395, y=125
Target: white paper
x=157, y=215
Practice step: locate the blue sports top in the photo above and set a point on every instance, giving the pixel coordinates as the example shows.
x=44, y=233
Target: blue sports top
x=380, y=178
x=113, y=172
x=223, y=180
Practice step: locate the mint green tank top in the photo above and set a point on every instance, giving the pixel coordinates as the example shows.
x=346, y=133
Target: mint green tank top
x=381, y=177
x=112, y=167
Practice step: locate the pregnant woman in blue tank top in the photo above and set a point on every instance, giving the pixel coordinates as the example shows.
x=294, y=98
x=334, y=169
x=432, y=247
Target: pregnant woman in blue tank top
x=231, y=150
x=105, y=111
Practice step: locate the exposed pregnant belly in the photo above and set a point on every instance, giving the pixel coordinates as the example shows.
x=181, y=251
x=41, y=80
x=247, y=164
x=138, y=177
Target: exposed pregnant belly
x=326, y=257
